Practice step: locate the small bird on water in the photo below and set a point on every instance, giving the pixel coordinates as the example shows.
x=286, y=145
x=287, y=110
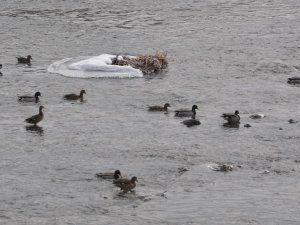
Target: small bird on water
x=232, y=118
x=26, y=98
x=126, y=184
x=186, y=113
x=24, y=60
x=159, y=108
x=109, y=175
x=36, y=118
x=294, y=80
x=73, y=97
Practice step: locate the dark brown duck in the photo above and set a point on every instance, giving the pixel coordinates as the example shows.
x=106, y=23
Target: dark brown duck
x=72, y=97
x=126, y=184
x=36, y=118
x=159, y=108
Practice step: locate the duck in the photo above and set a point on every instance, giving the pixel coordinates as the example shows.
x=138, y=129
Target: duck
x=223, y=168
x=191, y=122
x=232, y=118
x=26, y=98
x=74, y=96
x=159, y=108
x=186, y=113
x=126, y=184
x=0, y=68
x=109, y=175
x=36, y=118
x=24, y=60
x=294, y=80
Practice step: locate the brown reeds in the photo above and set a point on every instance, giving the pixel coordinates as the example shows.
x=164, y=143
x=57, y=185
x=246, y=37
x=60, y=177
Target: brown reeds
x=148, y=64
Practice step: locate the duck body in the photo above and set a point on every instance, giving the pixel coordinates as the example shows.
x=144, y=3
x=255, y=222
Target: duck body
x=294, y=80
x=232, y=118
x=36, y=118
x=73, y=97
x=126, y=184
x=159, y=108
x=191, y=122
x=186, y=113
x=24, y=60
x=109, y=175
x=26, y=98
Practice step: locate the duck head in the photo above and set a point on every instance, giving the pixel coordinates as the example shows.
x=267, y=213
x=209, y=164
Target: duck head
x=134, y=179
x=167, y=105
x=37, y=94
x=117, y=174
x=82, y=92
x=236, y=112
x=41, y=108
x=194, y=107
x=29, y=57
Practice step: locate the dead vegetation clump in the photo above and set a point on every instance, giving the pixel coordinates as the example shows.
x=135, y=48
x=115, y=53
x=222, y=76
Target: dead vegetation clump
x=148, y=64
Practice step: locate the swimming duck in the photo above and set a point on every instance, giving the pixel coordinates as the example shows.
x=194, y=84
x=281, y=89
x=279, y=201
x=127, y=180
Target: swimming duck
x=24, y=60
x=126, y=184
x=26, y=98
x=186, y=113
x=159, y=108
x=36, y=118
x=115, y=175
x=232, y=118
x=223, y=168
x=191, y=122
x=294, y=80
x=74, y=96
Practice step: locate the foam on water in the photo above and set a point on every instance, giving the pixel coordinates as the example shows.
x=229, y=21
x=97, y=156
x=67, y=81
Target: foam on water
x=93, y=67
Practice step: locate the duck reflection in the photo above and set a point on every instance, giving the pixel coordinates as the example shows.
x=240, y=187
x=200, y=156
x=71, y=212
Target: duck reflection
x=231, y=125
x=35, y=129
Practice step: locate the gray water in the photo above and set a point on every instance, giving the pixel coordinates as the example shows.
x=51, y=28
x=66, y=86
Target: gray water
x=223, y=55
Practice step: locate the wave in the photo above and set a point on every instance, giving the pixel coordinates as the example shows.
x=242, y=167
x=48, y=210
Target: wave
x=93, y=67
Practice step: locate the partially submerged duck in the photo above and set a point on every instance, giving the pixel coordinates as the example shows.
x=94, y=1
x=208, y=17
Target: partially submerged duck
x=186, y=113
x=109, y=175
x=36, y=118
x=159, y=108
x=294, y=80
x=126, y=184
x=257, y=116
x=232, y=118
x=26, y=98
x=74, y=96
x=191, y=122
x=24, y=60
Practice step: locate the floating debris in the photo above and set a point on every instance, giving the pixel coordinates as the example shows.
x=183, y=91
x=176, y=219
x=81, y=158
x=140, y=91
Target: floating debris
x=148, y=64
x=182, y=170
